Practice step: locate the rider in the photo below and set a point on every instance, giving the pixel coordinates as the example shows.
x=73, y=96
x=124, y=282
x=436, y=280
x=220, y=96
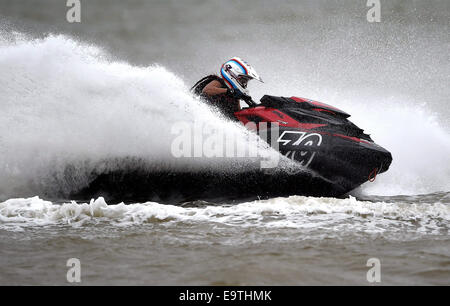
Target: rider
x=226, y=91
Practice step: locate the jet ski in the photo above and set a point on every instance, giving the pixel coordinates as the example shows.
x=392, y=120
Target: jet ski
x=334, y=155
x=321, y=138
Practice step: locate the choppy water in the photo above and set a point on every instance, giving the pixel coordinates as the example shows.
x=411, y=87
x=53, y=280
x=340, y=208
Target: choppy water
x=295, y=240
x=103, y=89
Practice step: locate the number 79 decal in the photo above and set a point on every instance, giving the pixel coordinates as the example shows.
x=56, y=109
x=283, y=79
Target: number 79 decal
x=296, y=138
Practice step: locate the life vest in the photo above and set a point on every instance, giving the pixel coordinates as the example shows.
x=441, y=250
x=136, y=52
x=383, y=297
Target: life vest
x=225, y=103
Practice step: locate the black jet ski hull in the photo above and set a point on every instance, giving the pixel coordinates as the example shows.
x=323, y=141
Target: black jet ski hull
x=179, y=187
x=332, y=154
x=346, y=162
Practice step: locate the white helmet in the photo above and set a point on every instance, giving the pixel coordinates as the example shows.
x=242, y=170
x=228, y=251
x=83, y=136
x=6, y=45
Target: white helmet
x=236, y=73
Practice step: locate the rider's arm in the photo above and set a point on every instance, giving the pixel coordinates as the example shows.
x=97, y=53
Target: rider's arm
x=214, y=88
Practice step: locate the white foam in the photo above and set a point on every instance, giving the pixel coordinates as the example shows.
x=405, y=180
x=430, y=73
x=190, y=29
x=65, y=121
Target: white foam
x=301, y=213
x=419, y=144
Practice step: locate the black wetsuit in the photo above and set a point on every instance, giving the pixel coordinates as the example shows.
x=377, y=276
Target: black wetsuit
x=225, y=103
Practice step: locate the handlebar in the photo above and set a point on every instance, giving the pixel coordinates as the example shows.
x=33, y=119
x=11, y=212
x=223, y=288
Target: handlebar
x=249, y=101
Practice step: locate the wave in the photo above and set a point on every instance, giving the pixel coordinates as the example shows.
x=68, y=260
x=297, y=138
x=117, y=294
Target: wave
x=296, y=212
